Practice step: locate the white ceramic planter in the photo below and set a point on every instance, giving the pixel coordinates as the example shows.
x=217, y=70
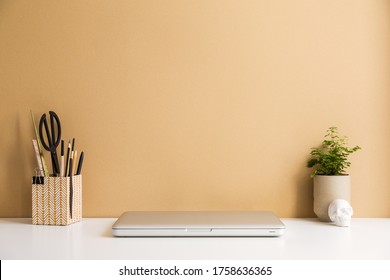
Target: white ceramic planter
x=328, y=188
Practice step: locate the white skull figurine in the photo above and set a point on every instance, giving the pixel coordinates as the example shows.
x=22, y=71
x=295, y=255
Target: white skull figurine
x=340, y=212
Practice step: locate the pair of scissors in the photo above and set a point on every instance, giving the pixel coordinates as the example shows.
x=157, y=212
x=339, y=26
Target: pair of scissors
x=53, y=138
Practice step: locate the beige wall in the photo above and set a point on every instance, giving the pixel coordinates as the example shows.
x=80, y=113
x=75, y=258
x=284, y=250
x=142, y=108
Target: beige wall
x=197, y=105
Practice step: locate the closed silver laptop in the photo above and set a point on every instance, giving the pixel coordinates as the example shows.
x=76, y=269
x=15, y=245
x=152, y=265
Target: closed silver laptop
x=198, y=223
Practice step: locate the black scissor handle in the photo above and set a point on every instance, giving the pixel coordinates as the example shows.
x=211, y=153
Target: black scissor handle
x=43, y=121
x=53, y=141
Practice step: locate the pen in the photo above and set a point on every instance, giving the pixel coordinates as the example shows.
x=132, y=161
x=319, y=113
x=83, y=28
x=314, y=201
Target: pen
x=67, y=160
x=74, y=160
x=73, y=144
x=71, y=187
x=62, y=159
x=70, y=164
x=71, y=156
x=80, y=163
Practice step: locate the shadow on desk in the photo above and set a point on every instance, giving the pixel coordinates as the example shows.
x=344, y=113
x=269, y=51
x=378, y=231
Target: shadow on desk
x=317, y=222
x=26, y=221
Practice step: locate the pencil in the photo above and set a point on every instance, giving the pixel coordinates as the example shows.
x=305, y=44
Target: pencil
x=70, y=166
x=80, y=163
x=35, y=145
x=45, y=170
x=62, y=171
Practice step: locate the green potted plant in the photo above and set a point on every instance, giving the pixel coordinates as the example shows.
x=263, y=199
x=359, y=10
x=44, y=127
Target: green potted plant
x=330, y=180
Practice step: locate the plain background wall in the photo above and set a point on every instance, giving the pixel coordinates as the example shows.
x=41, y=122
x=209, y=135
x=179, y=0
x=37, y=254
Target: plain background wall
x=197, y=105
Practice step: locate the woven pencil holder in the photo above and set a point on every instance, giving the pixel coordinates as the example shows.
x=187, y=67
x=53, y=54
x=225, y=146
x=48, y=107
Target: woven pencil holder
x=56, y=200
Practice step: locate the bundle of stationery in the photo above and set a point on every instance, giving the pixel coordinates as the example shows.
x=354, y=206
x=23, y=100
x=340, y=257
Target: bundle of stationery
x=56, y=196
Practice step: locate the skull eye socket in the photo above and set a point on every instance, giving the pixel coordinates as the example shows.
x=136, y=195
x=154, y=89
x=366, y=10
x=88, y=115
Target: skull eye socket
x=344, y=211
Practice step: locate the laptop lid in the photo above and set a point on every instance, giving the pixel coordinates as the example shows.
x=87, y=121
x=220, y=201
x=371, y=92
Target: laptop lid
x=198, y=223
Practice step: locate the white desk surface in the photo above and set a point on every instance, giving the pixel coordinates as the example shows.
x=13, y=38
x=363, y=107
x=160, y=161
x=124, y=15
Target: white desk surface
x=91, y=239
